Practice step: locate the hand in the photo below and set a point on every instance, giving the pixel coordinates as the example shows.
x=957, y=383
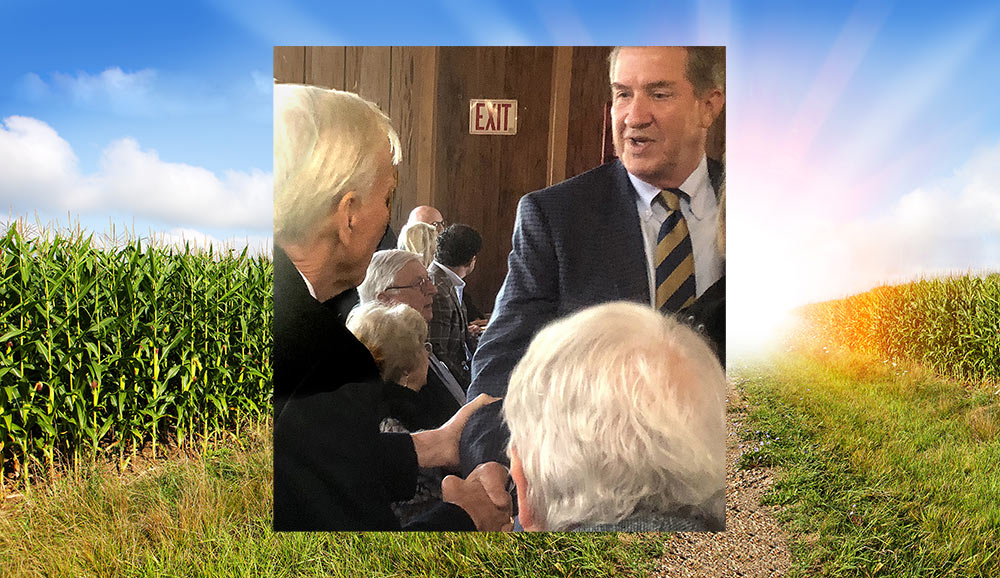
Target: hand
x=475, y=330
x=483, y=496
x=438, y=448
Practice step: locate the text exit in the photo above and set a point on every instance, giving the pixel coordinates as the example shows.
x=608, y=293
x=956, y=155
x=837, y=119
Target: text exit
x=492, y=116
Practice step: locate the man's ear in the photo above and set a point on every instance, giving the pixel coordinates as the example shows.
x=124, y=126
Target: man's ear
x=710, y=105
x=525, y=513
x=344, y=215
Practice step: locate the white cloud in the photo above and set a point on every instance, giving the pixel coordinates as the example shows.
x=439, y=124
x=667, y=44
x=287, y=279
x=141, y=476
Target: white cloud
x=36, y=163
x=126, y=92
x=40, y=172
x=781, y=256
x=142, y=93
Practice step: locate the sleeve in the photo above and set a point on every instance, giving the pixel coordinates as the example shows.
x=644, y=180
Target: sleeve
x=442, y=517
x=439, y=333
x=527, y=301
x=333, y=470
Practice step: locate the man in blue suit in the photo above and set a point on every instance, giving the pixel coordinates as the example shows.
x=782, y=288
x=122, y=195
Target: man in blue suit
x=594, y=238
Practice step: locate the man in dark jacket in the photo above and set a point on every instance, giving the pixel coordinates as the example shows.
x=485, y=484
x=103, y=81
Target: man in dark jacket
x=334, y=178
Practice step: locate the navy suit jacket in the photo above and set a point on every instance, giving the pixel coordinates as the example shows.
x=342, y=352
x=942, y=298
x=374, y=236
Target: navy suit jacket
x=575, y=244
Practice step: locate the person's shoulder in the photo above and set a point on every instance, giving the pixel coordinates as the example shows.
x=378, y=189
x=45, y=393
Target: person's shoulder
x=600, y=180
x=439, y=276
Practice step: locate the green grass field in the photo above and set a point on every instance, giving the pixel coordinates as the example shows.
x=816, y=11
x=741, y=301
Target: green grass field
x=883, y=469
x=211, y=516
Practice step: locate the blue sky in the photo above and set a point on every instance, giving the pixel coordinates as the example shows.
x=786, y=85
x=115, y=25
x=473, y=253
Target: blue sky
x=863, y=139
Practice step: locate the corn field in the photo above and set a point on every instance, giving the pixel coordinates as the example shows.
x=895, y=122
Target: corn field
x=951, y=325
x=104, y=350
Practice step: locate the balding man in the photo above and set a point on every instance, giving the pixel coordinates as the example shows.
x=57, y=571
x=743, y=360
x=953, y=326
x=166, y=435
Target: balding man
x=427, y=214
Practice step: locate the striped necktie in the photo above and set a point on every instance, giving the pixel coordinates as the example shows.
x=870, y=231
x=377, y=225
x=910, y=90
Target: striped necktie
x=674, y=258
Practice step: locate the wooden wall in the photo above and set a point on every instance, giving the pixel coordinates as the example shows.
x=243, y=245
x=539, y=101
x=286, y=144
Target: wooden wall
x=475, y=179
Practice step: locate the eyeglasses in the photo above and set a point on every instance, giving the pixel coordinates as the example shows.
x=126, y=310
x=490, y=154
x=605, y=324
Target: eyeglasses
x=439, y=225
x=424, y=284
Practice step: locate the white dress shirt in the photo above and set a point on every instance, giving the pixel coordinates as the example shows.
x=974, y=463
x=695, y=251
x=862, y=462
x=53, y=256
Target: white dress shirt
x=458, y=281
x=700, y=210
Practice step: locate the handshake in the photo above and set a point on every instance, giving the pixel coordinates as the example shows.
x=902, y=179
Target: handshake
x=484, y=493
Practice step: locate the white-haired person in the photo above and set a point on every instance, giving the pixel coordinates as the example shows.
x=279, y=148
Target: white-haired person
x=334, y=176
x=396, y=335
x=617, y=423
x=396, y=276
x=419, y=238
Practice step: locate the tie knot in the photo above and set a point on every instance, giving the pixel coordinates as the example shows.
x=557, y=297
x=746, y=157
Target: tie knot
x=671, y=198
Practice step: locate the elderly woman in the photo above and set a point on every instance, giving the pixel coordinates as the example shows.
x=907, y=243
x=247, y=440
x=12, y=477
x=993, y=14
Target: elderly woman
x=396, y=276
x=617, y=423
x=334, y=175
x=397, y=335
x=419, y=238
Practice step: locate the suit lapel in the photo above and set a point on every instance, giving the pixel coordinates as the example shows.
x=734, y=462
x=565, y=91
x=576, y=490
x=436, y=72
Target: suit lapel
x=632, y=276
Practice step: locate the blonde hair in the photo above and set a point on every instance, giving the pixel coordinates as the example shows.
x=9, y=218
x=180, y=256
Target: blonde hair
x=394, y=334
x=326, y=143
x=613, y=410
x=419, y=238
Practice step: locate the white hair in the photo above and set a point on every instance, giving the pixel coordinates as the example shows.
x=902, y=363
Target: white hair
x=613, y=410
x=394, y=334
x=382, y=271
x=419, y=238
x=326, y=143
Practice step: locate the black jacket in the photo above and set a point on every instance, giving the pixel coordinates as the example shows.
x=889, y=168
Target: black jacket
x=333, y=470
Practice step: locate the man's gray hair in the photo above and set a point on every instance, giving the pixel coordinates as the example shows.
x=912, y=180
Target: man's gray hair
x=705, y=70
x=326, y=143
x=615, y=410
x=382, y=271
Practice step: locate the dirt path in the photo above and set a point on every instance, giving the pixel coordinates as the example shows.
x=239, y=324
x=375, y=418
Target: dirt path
x=753, y=544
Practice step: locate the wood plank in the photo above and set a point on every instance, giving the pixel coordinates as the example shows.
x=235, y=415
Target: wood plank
x=324, y=66
x=289, y=64
x=590, y=92
x=404, y=109
x=425, y=94
x=562, y=74
x=367, y=73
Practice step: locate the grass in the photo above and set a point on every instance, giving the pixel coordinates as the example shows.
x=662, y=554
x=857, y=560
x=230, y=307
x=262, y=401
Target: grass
x=886, y=470
x=211, y=516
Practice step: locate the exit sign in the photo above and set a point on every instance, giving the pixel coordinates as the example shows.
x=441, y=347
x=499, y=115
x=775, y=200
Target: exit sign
x=492, y=116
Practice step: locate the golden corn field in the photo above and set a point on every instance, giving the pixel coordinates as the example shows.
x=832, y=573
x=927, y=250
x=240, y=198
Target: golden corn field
x=951, y=325
x=105, y=349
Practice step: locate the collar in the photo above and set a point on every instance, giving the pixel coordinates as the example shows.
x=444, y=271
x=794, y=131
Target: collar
x=309, y=285
x=697, y=187
x=457, y=281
